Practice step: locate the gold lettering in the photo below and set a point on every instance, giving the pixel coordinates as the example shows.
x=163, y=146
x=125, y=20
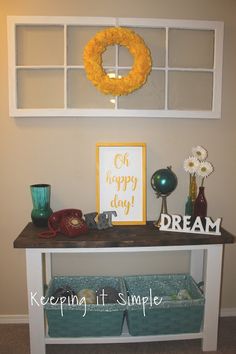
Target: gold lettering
x=121, y=182
x=122, y=203
x=134, y=181
x=121, y=160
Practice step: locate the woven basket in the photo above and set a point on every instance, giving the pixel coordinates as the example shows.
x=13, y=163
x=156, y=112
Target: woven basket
x=99, y=320
x=171, y=315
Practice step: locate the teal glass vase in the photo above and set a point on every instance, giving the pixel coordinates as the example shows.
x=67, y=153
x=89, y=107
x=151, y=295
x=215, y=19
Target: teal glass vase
x=189, y=207
x=41, y=212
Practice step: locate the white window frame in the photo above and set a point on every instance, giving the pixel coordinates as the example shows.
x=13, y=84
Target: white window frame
x=216, y=26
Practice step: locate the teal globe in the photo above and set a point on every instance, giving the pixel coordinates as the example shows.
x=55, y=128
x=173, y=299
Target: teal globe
x=164, y=181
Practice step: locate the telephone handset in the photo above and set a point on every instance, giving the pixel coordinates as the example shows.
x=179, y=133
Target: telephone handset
x=68, y=222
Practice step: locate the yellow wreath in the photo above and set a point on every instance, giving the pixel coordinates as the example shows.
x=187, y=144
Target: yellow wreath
x=136, y=77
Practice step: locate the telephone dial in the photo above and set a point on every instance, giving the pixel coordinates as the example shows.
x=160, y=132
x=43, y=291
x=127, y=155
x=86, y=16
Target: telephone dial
x=68, y=222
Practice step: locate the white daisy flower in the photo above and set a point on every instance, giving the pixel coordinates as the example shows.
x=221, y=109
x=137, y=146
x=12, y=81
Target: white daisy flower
x=205, y=169
x=199, y=152
x=191, y=164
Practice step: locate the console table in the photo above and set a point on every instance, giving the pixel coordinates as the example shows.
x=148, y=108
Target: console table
x=206, y=263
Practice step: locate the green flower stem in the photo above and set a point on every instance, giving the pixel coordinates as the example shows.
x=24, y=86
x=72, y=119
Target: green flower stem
x=202, y=182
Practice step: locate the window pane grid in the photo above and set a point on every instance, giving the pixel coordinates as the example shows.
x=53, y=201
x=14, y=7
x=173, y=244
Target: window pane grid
x=169, y=85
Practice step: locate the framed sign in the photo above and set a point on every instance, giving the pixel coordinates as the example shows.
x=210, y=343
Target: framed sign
x=121, y=181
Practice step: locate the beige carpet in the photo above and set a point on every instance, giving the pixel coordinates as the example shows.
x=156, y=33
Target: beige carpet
x=14, y=339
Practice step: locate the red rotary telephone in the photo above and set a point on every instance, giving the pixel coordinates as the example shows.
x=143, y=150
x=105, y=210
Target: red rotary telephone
x=68, y=222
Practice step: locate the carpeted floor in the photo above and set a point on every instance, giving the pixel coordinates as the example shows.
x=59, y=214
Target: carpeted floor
x=14, y=339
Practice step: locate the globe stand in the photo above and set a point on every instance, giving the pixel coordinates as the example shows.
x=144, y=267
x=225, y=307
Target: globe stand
x=163, y=209
x=163, y=182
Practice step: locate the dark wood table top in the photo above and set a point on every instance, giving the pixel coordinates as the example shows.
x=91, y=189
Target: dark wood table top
x=119, y=236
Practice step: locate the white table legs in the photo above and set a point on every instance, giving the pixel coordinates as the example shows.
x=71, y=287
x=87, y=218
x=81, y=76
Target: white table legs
x=211, y=259
x=212, y=297
x=35, y=290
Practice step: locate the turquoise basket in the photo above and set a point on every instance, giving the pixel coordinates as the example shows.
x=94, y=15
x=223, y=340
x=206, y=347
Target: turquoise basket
x=99, y=320
x=172, y=315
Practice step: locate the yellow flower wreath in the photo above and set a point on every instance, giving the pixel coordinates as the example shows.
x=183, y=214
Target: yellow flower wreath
x=136, y=77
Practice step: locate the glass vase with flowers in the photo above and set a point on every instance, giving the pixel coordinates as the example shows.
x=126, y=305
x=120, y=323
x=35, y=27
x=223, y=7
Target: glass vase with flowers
x=196, y=165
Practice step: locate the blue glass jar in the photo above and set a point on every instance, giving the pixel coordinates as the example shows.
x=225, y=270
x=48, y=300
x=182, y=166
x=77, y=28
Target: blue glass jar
x=41, y=212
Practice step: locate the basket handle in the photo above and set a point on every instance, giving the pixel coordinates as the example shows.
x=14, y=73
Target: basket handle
x=200, y=286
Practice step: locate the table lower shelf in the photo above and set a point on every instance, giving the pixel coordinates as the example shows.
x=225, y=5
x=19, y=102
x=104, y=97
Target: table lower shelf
x=125, y=337
x=208, y=254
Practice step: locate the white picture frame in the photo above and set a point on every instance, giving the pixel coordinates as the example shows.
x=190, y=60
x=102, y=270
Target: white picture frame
x=121, y=181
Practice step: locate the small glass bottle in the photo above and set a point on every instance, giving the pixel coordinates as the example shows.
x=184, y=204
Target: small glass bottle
x=200, y=205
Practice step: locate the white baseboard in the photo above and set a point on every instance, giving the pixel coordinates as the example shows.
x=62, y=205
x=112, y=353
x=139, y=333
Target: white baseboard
x=18, y=319
x=228, y=312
